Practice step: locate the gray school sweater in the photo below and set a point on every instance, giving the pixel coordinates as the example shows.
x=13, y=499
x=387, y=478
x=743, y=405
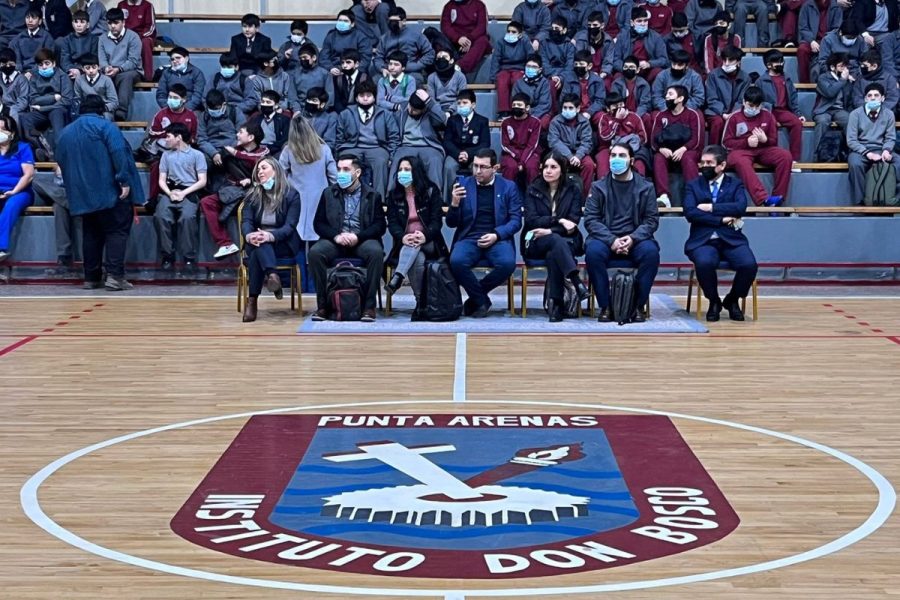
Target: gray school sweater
x=864, y=135
x=103, y=87
x=124, y=54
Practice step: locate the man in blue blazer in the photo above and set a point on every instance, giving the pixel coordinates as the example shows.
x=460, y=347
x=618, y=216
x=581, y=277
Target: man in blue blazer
x=486, y=211
x=714, y=204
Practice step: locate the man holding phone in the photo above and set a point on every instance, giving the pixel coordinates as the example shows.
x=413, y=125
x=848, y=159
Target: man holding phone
x=486, y=211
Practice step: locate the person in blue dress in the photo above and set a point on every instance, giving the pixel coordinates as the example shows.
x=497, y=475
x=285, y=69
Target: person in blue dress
x=16, y=173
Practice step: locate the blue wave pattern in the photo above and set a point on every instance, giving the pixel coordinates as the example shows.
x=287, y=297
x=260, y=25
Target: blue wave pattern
x=477, y=450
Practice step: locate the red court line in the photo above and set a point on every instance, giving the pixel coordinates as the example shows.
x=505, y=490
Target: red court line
x=15, y=346
x=894, y=339
x=439, y=334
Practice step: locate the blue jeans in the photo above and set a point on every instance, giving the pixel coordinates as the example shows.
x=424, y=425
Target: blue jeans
x=644, y=256
x=466, y=254
x=12, y=208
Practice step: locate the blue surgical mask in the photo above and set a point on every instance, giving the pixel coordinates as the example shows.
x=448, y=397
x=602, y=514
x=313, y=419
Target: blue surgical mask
x=344, y=180
x=640, y=29
x=268, y=184
x=227, y=72
x=404, y=178
x=216, y=112
x=342, y=26
x=180, y=68
x=751, y=112
x=653, y=2
x=174, y=103
x=873, y=105
x=848, y=41
x=569, y=113
x=464, y=111
x=618, y=165
x=531, y=72
x=613, y=2
x=511, y=38
x=46, y=72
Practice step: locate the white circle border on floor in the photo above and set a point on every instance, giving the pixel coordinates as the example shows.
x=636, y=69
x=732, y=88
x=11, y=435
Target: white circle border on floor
x=887, y=499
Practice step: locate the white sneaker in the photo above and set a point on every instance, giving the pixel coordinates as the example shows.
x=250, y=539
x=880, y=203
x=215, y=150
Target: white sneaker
x=663, y=201
x=224, y=251
x=795, y=168
x=3, y=255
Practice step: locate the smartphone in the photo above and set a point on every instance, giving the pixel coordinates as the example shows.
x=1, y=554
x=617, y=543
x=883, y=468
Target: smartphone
x=459, y=180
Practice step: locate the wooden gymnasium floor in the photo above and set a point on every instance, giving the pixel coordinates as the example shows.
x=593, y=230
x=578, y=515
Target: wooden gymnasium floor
x=77, y=371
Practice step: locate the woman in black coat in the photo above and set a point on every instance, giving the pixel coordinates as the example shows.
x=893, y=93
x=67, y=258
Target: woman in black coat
x=269, y=228
x=415, y=216
x=553, y=208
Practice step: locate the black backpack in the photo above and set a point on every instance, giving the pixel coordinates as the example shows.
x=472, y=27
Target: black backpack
x=831, y=148
x=344, y=290
x=623, y=297
x=443, y=300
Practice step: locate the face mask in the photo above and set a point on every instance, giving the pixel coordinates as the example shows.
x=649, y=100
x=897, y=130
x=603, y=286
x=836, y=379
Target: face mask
x=778, y=69
x=518, y=112
x=348, y=72
x=266, y=110
x=640, y=29
x=652, y=2
x=4, y=137
x=568, y=113
x=873, y=105
x=729, y=68
x=404, y=178
x=613, y=2
x=848, y=41
x=296, y=39
x=227, y=72
x=720, y=30
x=751, y=112
x=671, y=104
x=46, y=72
x=174, y=103
x=363, y=105
x=865, y=70
x=680, y=34
x=180, y=68
x=677, y=73
x=268, y=184
x=511, y=38
x=344, y=180
x=709, y=173
x=342, y=26
x=618, y=165
x=531, y=72
x=581, y=71
x=394, y=27
x=557, y=37
x=305, y=64
x=533, y=1
x=312, y=108
x=217, y=112
x=442, y=65
x=8, y=69
x=629, y=73
x=464, y=111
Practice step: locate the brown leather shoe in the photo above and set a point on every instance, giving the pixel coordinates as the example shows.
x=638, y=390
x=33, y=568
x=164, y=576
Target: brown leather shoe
x=273, y=284
x=250, y=310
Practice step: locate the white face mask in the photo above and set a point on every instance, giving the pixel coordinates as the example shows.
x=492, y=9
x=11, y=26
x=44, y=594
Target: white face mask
x=729, y=68
x=4, y=137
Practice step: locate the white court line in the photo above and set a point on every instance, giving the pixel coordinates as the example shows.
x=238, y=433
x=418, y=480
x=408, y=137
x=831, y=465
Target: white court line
x=887, y=499
x=230, y=297
x=459, y=372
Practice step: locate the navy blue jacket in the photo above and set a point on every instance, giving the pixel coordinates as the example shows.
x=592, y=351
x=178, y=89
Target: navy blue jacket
x=732, y=202
x=507, y=210
x=286, y=218
x=469, y=139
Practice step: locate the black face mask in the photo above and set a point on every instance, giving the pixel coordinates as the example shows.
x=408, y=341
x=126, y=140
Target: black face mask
x=394, y=27
x=557, y=37
x=709, y=173
x=629, y=73
x=266, y=110
x=581, y=71
x=312, y=108
x=677, y=73
x=305, y=64
x=442, y=65
x=866, y=70
x=518, y=112
x=720, y=30
x=594, y=31
x=348, y=72
x=670, y=105
x=778, y=69
x=8, y=69
x=364, y=106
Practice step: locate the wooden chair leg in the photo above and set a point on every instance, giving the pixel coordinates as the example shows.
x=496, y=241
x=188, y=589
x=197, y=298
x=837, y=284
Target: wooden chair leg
x=591, y=299
x=240, y=292
x=389, y=299
x=755, y=291
x=524, y=298
x=511, y=294
x=690, y=293
x=699, y=301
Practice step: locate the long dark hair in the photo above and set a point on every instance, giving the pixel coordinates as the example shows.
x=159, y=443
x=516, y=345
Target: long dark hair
x=420, y=183
x=9, y=124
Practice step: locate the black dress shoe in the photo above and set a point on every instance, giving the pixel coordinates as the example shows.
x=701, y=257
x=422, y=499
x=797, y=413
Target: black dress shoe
x=394, y=284
x=580, y=289
x=715, y=308
x=734, y=310
x=469, y=307
x=555, y=311
x=605, y=316
x=641, y=316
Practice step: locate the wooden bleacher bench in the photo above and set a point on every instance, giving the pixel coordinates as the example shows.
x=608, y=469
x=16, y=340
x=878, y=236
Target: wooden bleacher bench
x=237, y=18
x=162, y=49
x=51, y=166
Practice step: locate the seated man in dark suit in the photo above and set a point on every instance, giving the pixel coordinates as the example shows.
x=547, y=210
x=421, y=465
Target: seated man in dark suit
x=486, y=211
x=621, y=216
x=714, y=205
x=350, y=223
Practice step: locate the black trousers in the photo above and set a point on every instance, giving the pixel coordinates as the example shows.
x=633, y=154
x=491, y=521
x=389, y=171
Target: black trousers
x=324, y=252
x=262, y=260
x=106, y=229
x=557, y=252
x=707, y=257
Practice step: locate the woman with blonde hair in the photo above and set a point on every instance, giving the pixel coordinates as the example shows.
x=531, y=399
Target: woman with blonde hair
x=310, y=168
x=269, y=228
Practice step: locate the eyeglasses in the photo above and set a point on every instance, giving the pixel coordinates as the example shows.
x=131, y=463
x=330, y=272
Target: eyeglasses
x=482, y=167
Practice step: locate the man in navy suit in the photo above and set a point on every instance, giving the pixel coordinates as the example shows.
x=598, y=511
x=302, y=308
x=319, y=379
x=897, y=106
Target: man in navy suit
x=486, y=211
x=714, y=204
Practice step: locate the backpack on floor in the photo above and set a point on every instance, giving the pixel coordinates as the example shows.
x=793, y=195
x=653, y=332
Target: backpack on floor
x=570, y=300
x=831, y=148
x=623, y=300
x=881, y=185
x=443, y=300
x=344, y=290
